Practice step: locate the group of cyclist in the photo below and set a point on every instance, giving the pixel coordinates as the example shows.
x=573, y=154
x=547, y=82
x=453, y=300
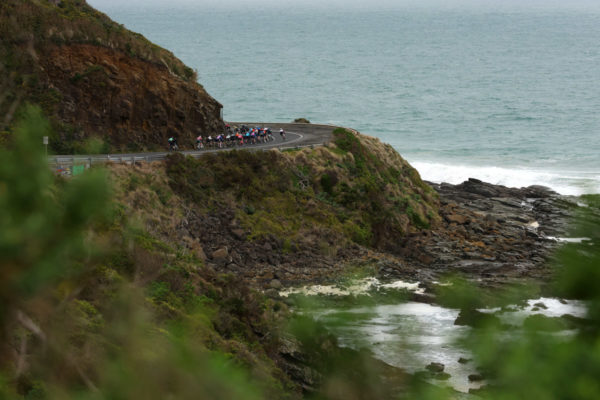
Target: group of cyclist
x=233, y=136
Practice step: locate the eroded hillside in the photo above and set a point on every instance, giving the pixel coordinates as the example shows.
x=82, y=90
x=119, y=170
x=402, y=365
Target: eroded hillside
x=296, y=216
x=94, y=78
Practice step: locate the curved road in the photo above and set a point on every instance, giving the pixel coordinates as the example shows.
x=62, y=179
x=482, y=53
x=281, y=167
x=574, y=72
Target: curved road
x=297, y=135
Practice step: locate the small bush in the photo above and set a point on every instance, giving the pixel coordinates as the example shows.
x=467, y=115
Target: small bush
x=159, y=291
x=328, y=182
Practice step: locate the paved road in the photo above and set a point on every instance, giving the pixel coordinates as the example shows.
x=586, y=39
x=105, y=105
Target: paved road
x=297, y=135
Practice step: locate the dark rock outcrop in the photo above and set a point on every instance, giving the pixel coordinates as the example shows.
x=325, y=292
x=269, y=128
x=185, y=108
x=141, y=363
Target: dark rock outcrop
x=491, y=232
x=476, y=319
x=435, y=367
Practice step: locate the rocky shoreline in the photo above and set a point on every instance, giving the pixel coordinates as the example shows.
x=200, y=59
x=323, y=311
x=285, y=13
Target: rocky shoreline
x=492, y=233
x=489, y=233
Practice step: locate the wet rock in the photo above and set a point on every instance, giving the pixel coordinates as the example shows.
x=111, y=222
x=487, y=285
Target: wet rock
x=435, y=367
x=474, y=318
x=538, y=191
x=427, y=298
x=463, y=360
x=540, y=305
x=476, y=213
x=475, y=377
x=436, y=374
x=276, y=284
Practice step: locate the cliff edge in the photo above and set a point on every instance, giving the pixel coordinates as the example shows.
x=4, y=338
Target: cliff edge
x=95, y=79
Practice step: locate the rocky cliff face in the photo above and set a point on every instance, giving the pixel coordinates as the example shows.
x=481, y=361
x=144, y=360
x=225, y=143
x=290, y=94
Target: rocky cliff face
x=93, y=78
x=130, y=102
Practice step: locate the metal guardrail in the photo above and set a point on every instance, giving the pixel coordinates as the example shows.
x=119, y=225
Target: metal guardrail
x=74, y=165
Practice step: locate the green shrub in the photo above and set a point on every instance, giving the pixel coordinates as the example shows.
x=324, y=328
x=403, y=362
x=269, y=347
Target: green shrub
x=358, y=234
x=328, y=182
x=159, y=291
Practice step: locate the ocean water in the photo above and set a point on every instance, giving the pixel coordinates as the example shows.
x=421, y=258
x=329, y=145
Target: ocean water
x=411, y=335
x=509, y=95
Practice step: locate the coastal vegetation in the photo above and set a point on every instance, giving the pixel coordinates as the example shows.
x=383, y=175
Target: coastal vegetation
x=100, y=296
x=93, y=303
x=162, y=280
x=354, y=190
x=100, y=280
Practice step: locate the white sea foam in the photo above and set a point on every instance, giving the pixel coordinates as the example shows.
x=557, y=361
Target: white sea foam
x=533, y=225
x=358, y=287
x=567, y=183
x=569, y=240
x=551, y=307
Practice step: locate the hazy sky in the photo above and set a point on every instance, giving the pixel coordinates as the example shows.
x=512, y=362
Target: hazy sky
x=367, y=4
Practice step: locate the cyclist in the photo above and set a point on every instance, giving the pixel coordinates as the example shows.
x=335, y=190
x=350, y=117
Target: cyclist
x=262, y=135
x=282, y=133
x=199, y=143
x=173, y=144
